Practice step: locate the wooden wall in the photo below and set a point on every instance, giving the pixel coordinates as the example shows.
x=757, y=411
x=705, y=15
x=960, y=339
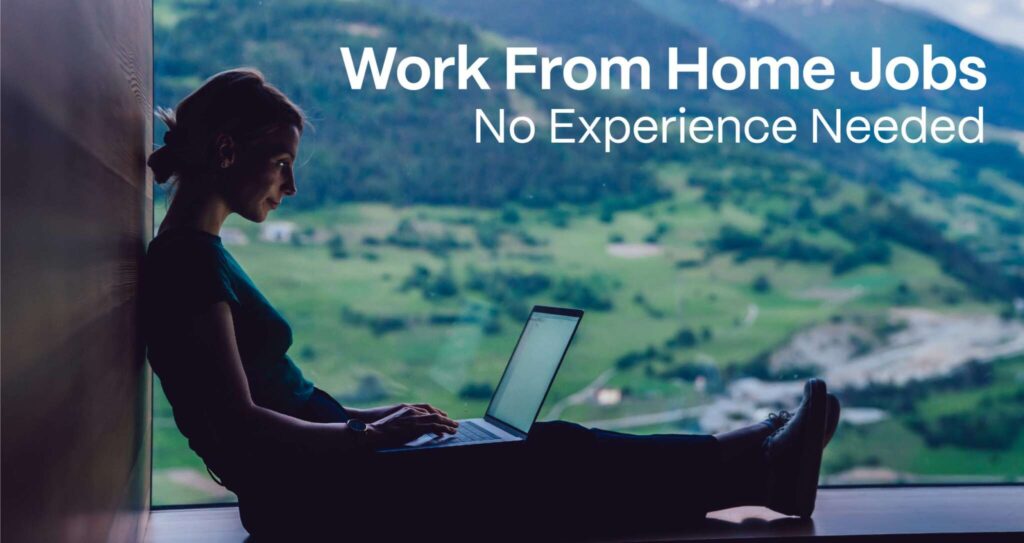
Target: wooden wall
x=76, y=215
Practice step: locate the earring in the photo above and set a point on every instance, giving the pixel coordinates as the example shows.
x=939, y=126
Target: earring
x=224, y=164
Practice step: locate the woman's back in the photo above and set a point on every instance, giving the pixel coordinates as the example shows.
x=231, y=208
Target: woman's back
x=186, y=271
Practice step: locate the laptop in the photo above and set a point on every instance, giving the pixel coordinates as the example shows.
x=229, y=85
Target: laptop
x=528, y=375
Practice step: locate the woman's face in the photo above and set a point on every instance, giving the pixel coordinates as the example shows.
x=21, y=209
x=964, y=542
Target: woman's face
x=261, y=175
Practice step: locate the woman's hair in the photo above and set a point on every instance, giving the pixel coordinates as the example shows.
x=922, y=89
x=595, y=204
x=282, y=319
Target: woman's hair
x=236, y=102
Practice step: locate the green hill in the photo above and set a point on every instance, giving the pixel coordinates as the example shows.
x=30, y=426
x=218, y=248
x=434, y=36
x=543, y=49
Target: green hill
x=392, y=145
x=846, y=31
x=649, y=27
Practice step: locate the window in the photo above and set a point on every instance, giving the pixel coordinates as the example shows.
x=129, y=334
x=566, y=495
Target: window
x=715, y=277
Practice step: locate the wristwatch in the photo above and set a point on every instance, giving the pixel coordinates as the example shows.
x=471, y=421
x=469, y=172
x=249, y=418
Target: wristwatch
x=358, y=428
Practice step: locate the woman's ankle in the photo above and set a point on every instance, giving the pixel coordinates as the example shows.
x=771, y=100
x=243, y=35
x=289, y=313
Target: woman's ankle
x=736, y=443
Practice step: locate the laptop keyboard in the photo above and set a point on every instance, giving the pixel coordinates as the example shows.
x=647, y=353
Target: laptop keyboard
x=467, y=432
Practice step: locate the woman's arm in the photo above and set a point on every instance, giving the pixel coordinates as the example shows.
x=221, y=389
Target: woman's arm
x=373, y=414
x=213, y=333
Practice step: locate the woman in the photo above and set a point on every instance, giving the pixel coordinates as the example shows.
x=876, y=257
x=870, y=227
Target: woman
x=301, y=464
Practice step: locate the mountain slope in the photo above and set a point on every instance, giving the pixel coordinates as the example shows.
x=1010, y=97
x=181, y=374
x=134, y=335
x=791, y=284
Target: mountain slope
x=846, y=31
x=736, y=32
x=598, y=28
x=603, y=28
x=392, y=145
x=728, y=28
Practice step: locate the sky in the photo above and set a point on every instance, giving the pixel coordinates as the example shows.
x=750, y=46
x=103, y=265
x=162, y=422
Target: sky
x=997, y=20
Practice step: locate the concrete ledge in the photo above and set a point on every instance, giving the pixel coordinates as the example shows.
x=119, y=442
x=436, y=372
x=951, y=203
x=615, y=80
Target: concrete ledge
x=933, y=514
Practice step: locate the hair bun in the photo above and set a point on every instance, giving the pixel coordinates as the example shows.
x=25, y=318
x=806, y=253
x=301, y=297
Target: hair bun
x=171, y=137
x=163, y=163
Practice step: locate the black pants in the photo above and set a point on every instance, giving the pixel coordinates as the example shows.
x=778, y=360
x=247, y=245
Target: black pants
x=563, y=480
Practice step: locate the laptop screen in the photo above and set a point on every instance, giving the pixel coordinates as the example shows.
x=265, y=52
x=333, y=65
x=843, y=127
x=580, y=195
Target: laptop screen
x=532, y=368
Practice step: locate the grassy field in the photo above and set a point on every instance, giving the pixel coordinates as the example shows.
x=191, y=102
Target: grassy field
x=432, y=363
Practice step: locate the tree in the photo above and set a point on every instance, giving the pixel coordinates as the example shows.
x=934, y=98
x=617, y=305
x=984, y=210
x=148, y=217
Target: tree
x=442, y=285
x=336, y=246
x=476, y=391
x=559, y=217
x=731, y=238
x=683, y=338
x=805, y=211
x=510, y=215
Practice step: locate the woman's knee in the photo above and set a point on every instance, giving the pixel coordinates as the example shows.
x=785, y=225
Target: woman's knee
x=559, y=431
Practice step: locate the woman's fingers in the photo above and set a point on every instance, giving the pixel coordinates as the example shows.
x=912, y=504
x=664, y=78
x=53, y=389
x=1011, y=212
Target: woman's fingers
x=420, y=408
x=407, y=411
x=397, y=414
x=431, y=408
x=412, y=421
x=437, y=418
x=423, y=408
x=425, y=416
x=434, y=422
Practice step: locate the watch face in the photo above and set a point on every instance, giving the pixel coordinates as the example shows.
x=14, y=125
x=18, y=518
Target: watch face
x=357, y=425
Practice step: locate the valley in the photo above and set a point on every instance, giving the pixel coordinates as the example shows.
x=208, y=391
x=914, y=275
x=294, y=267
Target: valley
x=715, y=277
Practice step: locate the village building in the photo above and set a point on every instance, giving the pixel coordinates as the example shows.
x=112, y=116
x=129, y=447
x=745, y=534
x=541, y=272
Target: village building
x=277, y=231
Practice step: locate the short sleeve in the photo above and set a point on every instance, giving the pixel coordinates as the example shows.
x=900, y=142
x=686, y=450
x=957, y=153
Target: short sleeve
x=209, y=282
x=191, y=275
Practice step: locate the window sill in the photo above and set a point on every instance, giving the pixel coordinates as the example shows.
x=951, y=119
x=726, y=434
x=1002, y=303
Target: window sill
x=936, y=513
x=933, y=514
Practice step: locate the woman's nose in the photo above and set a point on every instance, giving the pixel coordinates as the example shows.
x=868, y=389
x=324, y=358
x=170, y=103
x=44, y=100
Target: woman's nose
x=289, y=187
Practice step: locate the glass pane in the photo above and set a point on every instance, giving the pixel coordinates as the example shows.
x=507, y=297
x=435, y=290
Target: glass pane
x=715, y=277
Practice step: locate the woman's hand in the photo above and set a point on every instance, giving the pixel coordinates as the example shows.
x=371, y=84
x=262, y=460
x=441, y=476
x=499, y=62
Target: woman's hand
x=374, y=414
x=405, y=424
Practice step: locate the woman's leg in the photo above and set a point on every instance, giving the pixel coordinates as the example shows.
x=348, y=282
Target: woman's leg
x=668, y=477
x=738, y=443
x=564, y=473
x=773, y=463
x=564, y=478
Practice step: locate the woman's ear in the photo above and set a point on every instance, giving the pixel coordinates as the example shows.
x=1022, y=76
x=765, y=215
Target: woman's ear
x=225, y=145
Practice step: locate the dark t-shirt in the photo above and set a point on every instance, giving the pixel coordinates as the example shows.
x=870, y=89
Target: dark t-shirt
x=185, y=271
